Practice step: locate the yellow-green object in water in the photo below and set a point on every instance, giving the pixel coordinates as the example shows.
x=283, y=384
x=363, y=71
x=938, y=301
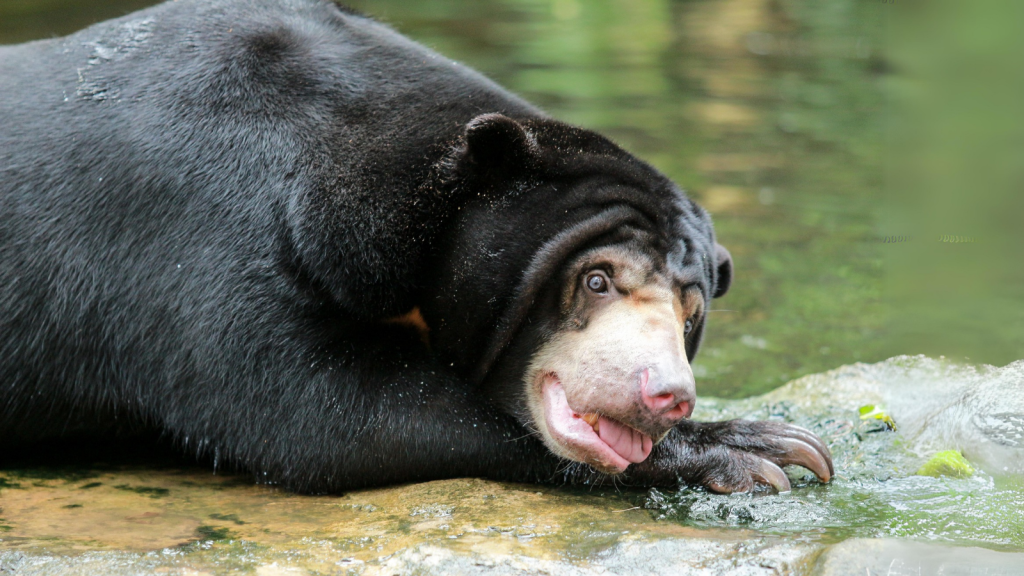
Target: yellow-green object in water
x=947, y=463
x=878, y=413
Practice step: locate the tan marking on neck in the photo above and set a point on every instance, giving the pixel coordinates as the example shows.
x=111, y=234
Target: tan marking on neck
x=413, y=319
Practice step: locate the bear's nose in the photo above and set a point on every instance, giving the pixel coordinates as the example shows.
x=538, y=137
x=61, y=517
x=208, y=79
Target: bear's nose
x=668, y=394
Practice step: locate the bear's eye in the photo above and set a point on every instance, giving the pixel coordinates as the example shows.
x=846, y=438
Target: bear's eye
x=688, y=326
x=597, y=282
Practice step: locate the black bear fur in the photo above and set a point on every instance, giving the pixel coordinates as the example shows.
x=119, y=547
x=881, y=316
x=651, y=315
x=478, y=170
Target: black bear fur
x=209, y=209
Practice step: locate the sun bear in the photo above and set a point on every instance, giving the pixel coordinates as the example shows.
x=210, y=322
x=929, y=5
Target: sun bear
x=285, y=236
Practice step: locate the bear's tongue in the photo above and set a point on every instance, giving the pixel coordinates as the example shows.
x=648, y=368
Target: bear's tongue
x=627, y=442
x=600, y=440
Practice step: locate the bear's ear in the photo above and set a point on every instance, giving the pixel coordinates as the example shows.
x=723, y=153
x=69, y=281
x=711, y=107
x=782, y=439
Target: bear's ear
x=723, y=261
x=497, y=146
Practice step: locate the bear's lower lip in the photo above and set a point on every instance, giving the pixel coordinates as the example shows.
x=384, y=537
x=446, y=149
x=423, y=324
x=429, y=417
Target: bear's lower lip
x=602, y=442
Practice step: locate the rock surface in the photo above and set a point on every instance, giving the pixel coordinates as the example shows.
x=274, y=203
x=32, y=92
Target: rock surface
x=187, y=522
x=150, y=520
x=861, y=557
x=978, y=410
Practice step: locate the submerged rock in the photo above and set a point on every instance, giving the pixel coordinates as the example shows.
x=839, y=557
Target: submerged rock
x=146, y=520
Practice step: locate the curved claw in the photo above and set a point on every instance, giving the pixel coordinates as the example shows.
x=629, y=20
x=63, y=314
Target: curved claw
x=823, y=453
x=803, y=454
x=721, y=488
x=771, y=474
x=735, y=455
x=752, y=470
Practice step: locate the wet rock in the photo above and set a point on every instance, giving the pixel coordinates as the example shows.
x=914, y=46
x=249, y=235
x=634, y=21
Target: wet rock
x=683, y=557
x=148, y=520
x=938, y=405
x=876, y=492
x=862, y=557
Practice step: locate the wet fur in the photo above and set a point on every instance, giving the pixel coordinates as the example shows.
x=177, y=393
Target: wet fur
x=209, y=209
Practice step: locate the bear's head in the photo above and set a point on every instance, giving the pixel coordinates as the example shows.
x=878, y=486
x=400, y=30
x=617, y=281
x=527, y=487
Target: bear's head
x=572, y=285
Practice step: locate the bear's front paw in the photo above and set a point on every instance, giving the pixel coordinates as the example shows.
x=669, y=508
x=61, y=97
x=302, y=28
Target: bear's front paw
x=737, y=455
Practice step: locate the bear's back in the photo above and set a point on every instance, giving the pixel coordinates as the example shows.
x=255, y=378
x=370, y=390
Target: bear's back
x=252, y=63
x=149, y=166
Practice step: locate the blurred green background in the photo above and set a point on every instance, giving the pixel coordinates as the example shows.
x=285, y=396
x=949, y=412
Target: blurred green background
x=814, y=131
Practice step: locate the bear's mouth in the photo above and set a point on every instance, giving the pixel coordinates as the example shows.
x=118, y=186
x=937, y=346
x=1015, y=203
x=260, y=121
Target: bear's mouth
x=604, y=443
